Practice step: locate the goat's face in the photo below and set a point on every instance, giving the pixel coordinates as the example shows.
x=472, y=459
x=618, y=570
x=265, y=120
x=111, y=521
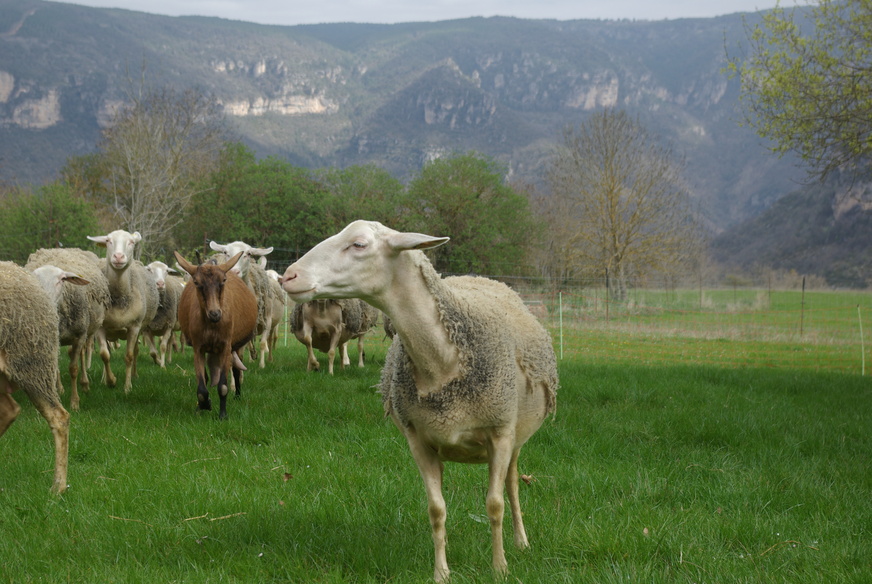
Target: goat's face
x=209, y=281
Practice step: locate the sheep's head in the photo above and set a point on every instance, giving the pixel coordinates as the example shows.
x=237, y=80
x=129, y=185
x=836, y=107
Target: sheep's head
x=120, y=246
x=52, y=280
x=160, y=271
x=248, y=252
x=354, y=263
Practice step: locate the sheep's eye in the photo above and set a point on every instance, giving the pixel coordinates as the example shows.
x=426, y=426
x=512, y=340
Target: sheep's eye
x=359, y=245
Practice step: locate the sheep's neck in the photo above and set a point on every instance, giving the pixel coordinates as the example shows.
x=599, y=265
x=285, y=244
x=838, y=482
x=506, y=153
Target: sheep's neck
x=415, y=316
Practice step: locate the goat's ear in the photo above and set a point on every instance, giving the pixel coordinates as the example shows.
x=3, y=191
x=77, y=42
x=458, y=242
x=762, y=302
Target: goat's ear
x=407, y=241
x=228, y=265
x=185, y=264
x=99, y=239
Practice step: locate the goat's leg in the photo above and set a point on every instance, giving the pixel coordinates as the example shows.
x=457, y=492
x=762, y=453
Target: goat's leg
x=59, y=421
x=203, y=401
x=500, y=459
x=218, y=366
x=518, y=531
x=431, y=469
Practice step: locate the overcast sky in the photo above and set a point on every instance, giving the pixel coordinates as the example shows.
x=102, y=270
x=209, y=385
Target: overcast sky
x=287, y=12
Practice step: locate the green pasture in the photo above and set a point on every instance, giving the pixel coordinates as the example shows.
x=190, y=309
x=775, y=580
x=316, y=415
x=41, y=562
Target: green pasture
x=824, y=330
x=660, y=472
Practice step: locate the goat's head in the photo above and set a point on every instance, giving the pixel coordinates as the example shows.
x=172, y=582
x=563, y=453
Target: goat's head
x=209, y=280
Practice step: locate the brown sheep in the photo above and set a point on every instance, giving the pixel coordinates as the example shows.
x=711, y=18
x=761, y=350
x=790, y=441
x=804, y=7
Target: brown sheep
x=29, y=359
x=218, y=316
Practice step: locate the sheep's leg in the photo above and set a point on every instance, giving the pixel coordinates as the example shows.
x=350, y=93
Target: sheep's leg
x=132, y=350
x=59, y=421
x=431, y=469
x=163, y=352
x=108, y=376
x=520, y=534
x=9, y=409
x=83, y=369
x=361, y=354
x=500, y=460
x=152, y=349
x=345, y=360
x=264, y=341
x=75, y=354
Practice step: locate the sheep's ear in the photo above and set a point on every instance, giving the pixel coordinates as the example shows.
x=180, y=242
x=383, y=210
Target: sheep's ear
x=228, y=265
x=260, y=251
x=217, y=246
x=136, y=237
x=185, y=264
x=99, y=239
x=74, y=279
x=407, y=241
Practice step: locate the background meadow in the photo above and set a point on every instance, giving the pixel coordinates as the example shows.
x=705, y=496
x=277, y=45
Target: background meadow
x=652, y=473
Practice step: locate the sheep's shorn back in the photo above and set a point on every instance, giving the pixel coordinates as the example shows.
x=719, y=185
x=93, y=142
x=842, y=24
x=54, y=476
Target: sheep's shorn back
x=29, y=358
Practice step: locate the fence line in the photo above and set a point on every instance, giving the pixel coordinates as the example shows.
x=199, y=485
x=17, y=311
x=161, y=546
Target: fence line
x=729, y=327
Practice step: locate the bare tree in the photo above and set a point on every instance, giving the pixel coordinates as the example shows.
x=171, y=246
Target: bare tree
x=622, y=200
x=155, y=153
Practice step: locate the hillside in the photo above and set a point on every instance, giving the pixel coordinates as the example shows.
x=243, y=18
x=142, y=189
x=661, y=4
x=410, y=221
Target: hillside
x=822, y=229
x=393, y=95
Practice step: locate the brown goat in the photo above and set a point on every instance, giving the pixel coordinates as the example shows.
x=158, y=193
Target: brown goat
x=218, y=316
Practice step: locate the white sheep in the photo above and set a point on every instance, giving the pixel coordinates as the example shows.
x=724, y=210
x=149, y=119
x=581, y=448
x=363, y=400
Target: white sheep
x=470, y=375
x=29, y=359
x=277, y=305
x=330, y=324
x=81, y=308
x=166, y=320
x=255, y=276
x=134, y=300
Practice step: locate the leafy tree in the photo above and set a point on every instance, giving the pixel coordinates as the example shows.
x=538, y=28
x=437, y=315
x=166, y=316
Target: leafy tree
x=50, y=217
x=363, y=192
x=264, y=203
x=464, y=197
x=807, y=83
x=620, y=204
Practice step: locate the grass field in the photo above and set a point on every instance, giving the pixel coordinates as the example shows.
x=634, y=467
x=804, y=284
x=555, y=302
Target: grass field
x=723, y=327
x=648, y=473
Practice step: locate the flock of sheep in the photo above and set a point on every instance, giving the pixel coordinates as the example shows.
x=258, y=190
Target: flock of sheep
x=470, y=375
